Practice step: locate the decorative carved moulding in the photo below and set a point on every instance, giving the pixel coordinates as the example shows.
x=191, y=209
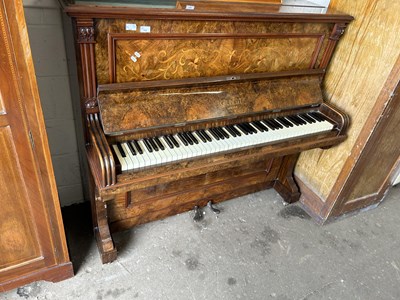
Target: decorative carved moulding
x=86, y=35
x=338, y=31
x=91, y=103
x=85, y=30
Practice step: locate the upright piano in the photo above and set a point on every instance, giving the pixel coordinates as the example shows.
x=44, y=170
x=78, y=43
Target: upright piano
x=184, y=107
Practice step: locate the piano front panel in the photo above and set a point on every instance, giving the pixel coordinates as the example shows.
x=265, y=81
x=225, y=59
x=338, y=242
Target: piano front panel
x=177, y=195
x=249, y=47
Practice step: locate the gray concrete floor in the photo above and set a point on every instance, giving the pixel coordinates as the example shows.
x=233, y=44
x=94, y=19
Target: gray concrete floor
x=257, y=248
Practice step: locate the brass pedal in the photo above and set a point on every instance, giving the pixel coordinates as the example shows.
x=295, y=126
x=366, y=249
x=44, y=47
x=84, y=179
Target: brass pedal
x=213, y=208
x=198, y=214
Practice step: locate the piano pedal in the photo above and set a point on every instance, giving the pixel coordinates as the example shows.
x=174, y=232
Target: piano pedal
x=213, y=208
x=198, y=214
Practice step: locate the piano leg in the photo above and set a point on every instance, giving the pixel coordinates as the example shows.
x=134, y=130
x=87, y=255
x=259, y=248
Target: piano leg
x=285, y=184
x=105, y=244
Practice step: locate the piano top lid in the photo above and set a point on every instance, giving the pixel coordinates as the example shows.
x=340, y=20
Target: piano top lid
x=132, y=107
x=219, y=11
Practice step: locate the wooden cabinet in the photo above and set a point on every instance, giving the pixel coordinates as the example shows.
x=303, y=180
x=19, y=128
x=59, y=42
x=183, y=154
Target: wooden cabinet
x=32, y=241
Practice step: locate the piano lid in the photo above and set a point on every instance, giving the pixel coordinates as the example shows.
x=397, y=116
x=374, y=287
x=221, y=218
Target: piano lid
x=165, y=106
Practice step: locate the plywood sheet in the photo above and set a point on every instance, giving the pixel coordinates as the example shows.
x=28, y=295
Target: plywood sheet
x=358, y=72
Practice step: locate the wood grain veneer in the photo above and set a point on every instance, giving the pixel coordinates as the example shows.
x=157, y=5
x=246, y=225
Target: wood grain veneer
x=32, y=241
x=163, y=107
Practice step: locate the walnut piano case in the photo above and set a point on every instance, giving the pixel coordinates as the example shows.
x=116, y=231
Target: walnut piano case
x=182, y=74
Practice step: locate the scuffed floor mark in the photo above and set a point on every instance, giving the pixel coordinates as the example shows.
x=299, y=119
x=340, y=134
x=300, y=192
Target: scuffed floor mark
x=397, y=269
x=293, y=211
x=113, y=293
x=263, y=243
x=232, y=281
x=27, y=291
x=191, y=263
x=320, y=290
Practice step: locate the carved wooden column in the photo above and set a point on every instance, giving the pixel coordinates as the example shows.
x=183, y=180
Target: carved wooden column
x=86, y=44
x=337, y=32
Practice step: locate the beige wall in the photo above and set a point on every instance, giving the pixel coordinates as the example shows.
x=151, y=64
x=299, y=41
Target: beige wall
x=43, y=18
x=359, y=69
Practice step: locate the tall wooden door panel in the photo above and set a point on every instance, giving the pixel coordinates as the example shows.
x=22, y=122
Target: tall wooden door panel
x=32, y=242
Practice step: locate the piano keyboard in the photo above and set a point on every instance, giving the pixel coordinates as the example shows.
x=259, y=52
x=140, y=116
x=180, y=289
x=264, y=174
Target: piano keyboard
x=136, y=154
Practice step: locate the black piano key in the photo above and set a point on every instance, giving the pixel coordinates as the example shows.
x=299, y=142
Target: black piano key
x=250, y=129
x=168, y=141
x=242, y=129
x=194, y=139
x=220, y=135
x=153, y=144
x=148, y=146
x=285, y=122
x=137, y=146
x=235, y=130
x=205, y=134
x=229, y=129
x=159, y=144
x=183, y=139
x=257, y=126
x=223, y=131
x=132, y=148
x=307, y=118
x=271, y=125
x=253, y=128
x=215, y=135
x=121, y=150
x=201, y=136
x=265, y=127
x=279, y=125
x=260, y=126
x=294, y=120
x=318, y=116
x=300, y=120
x=174, y=141
x=188, y=138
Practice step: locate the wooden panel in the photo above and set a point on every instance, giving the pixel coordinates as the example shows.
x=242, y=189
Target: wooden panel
x=357, y=75
x=184, y=56
x=205, y=179
x=378, y=161
x=187, y=199
x=32, y=241
x=233, y=192
x=156, y=59
x=18, y=239
x=157, y=107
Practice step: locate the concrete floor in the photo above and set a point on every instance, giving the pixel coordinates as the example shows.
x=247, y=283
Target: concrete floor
x=255, y=249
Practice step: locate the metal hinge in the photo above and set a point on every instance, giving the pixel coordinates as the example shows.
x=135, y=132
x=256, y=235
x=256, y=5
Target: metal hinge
x=31, y=139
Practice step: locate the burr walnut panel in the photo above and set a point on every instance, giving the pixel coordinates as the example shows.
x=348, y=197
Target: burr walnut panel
x=264, y=44
x=158, y=107
x=133, y=58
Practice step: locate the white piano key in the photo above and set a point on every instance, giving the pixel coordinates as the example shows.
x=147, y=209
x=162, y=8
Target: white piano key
x=121, y=159
x=128, y=155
